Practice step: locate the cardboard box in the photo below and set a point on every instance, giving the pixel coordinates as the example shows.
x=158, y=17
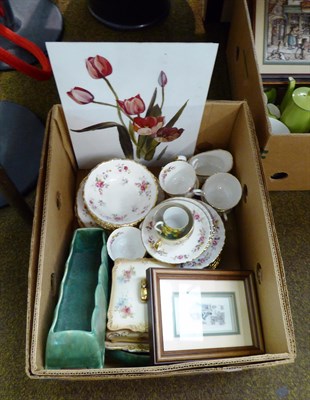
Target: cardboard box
x=251, y=243
x=285, y=158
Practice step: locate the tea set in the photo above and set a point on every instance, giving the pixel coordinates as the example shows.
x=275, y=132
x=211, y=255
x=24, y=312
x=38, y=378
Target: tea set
x=293, y=114
x=177, y=218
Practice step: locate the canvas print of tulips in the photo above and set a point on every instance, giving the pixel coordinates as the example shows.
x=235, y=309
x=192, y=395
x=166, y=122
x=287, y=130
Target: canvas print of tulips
x=149, y=111
x=145, y=129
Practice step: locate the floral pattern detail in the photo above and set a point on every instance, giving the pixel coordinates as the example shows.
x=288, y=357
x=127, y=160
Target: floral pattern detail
x=114, y=236
x=150, y=226
x=124, y=308
x=144, y=187
x=123, y=168
x=127, y=275
x=166, y=171
x=210, y=256
x=153, y=242
x=116, y=217
x=201, y=240
x=182, y=257
x=99, y=184
x=197, y=216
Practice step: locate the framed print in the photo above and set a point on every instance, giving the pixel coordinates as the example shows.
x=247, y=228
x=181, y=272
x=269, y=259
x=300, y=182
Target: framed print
x=282, y=38
x=198, y=314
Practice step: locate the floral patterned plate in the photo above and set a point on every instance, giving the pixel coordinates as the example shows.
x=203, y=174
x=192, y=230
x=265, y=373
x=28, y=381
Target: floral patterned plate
x=183, y=250
x=120, y=193
x=85, y=220
x=212, y=253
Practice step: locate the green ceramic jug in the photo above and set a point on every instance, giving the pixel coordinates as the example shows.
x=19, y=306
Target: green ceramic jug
x=296, y=113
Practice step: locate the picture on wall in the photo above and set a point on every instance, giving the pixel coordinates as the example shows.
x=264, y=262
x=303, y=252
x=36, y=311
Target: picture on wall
x=282, y=36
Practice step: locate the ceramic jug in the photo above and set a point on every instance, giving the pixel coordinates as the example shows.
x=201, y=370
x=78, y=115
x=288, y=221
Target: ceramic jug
x=295, y=108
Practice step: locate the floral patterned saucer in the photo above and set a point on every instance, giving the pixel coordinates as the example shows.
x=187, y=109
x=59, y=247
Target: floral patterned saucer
x=120, y=193
x=212, y=253
x=85, y=220
x=183, y=250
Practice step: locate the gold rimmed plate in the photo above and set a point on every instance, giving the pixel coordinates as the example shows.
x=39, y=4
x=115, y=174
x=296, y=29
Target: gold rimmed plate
x=120, y=192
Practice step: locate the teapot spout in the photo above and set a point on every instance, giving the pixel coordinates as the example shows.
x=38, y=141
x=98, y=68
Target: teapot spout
x=288, y=95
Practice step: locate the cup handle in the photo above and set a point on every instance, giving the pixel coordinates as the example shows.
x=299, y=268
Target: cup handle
x=194, y=163
x=181, y=158
x=224, y=215
x=158, y=226
x=198, y=192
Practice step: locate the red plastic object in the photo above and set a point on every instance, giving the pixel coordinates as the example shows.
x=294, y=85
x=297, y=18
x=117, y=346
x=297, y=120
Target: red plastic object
x=20, y=65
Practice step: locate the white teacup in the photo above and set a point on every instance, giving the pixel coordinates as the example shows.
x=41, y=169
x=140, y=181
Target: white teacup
x=273, y=110
x=175, y=222
x=210, y=162
x=125, y=242
x=277, y=127
x=222, y=191
x=178, y=178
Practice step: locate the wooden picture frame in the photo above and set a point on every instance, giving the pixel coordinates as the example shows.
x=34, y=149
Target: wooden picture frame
x=282, y=39
x=200, y=314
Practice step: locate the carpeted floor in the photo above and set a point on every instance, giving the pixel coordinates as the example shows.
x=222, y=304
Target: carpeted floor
x=292, y=217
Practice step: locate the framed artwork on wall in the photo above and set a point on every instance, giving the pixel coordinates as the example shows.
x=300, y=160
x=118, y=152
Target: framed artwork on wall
x=282, y=39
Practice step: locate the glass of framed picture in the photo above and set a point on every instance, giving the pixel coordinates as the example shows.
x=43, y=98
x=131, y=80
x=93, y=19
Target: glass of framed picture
x=282, y=38
x=199, y=314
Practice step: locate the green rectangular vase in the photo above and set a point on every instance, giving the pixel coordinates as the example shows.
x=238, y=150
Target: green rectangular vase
x=77, y=335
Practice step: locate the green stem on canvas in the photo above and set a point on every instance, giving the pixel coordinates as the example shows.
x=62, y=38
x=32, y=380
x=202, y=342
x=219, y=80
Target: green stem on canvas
x=114, y=106
x=119, y=111
x=162, y=98
x=132, y=134
x=104, y=104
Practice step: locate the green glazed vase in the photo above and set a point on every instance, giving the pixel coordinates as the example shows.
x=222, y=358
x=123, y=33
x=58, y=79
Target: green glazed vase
x=77, y=335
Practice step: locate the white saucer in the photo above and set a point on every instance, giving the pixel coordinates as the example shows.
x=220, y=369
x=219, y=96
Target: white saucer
x=85, y=220
x=214, y=250
x=185, y=250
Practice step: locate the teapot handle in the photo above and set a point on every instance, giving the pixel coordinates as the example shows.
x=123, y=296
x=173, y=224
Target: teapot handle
x=288, y=95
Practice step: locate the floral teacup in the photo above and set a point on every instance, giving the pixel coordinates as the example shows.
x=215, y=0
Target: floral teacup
x=125, y=242
x=176, y=222
x=178, y=178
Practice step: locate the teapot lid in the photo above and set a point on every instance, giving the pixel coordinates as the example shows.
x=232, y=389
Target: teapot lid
x=301, y=97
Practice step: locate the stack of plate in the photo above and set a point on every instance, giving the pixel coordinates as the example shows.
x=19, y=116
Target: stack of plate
x=120, y=193
x=116, y=193
x=200, y=249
